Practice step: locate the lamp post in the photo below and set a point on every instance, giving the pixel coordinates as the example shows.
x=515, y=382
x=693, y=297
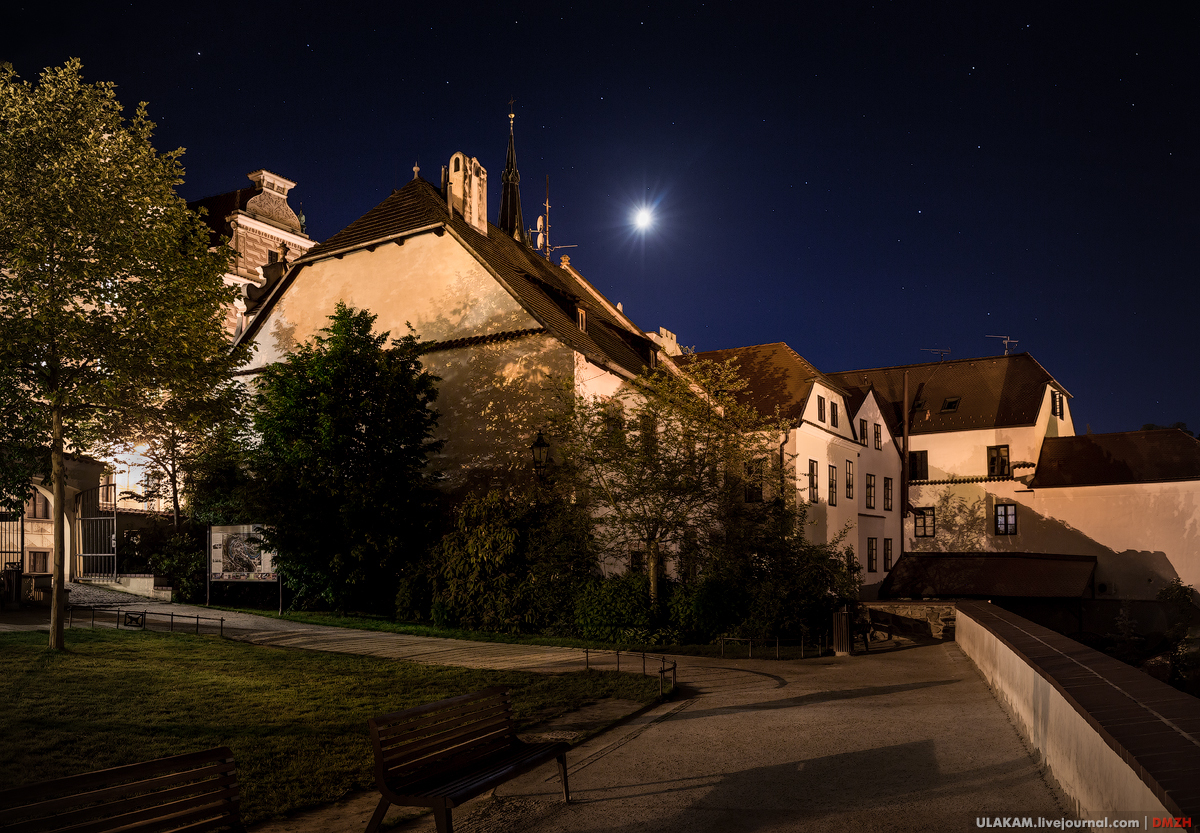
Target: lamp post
x=541, y=453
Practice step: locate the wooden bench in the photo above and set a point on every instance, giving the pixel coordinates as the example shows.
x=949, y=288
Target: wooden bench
x=442, y=754
x=193, y=792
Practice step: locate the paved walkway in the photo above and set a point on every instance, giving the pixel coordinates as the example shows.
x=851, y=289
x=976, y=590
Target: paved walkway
x=909, y=739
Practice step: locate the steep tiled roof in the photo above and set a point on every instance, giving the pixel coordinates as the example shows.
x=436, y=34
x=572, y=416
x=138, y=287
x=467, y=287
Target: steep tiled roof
x=775, y=374
x=1127, y=457
x=993, y=392
x=957, y=575
x=549, y=293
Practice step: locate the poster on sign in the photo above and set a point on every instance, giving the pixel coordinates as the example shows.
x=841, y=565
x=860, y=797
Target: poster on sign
x=235, y=554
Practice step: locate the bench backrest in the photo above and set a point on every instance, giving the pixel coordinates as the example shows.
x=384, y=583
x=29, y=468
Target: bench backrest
x=441, y=737
x=196, y=792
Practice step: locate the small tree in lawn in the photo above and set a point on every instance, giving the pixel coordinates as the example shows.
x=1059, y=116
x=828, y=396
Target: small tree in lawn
x=174, y=431
x=109, y=292
x=345, y=428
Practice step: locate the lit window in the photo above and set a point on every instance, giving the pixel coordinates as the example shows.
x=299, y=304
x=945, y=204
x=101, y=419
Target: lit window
x=1006, y=519
x=997, y=460
x=870, y=491
x=872, y=555
x=813, y=488
x=833, y=485
x=581, y=318
x=1057, y=404
x=887, y=494
x=924, y=524
x=887, y=554
x=820, y=409
x=849, y=480
x=878, y=437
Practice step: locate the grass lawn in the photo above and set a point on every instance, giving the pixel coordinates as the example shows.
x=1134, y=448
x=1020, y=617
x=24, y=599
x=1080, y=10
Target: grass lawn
x=296, y=720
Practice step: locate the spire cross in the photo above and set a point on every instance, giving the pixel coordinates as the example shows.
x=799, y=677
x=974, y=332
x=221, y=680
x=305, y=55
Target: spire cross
x=511, y=114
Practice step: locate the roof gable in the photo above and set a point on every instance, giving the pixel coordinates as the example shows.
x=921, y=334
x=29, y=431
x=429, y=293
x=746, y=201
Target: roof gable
x=547, y=292
x=776, y=377
x=1126, y=457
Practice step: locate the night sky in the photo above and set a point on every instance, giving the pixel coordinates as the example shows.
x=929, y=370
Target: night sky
x=860, y=181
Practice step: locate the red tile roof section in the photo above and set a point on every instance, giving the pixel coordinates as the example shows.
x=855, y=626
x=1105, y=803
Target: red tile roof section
x=775, y=374
x=1127, y=457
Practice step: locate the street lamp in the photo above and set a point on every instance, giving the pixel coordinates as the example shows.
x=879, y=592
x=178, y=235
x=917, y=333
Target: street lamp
x=541, y=452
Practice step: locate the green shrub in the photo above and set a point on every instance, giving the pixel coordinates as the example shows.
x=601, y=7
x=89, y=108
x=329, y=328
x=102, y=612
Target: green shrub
x=614, y=609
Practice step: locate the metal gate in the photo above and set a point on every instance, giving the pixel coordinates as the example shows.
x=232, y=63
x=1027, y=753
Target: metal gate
x=12, y=541
x=96, y=531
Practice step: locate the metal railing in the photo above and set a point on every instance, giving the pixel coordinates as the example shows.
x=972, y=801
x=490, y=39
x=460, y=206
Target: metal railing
x=132, y=618
x=665, y=665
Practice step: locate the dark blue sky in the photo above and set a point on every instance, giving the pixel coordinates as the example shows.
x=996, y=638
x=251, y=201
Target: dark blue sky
x=859, y=180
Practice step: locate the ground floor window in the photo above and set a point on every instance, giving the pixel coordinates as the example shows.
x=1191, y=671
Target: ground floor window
x=1006, y=519
x=39, y=561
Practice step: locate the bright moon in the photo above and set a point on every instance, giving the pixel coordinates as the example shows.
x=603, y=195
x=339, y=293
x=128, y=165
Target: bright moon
x=643, y=218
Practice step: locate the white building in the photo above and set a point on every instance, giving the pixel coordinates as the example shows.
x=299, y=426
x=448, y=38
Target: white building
x=845, y=457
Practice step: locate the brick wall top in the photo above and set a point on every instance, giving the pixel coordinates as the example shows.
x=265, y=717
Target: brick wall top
x=1152, y=726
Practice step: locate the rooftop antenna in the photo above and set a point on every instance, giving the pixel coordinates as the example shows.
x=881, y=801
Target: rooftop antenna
x=1007, y=342
x=543, y=228
x=942, y=352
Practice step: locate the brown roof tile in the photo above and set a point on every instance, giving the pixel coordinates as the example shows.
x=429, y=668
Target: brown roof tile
x=959, y=575
x=1127, y=457
x=776, y=377
x=992, y=392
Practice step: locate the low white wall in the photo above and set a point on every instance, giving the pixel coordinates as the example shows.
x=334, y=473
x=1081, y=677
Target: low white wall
x=137, y=585
x=1087, y=769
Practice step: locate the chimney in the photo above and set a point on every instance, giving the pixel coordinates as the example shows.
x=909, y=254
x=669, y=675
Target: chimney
x=466, y=190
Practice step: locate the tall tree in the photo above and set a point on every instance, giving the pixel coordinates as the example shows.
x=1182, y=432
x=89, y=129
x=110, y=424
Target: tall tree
x=109, y=292
x=345, y=428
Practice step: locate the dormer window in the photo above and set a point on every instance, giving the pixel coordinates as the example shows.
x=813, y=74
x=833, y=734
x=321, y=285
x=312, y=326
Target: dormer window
x=581, y=319
x=1057, y=404
x=950, y=404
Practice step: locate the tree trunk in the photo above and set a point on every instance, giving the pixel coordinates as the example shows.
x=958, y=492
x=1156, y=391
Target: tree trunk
x=652, y=558
x=58, y=474
x=175, y=479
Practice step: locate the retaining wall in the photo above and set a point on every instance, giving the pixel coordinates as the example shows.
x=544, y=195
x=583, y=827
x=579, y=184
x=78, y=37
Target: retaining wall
x=1119, y=743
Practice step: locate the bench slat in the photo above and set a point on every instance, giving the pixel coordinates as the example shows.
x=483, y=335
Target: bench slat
x=460, y=741
x=440, y=705
x=135, y=807
x=72, y=784
x=149, y=797
x=443, y=753
x=401, y=732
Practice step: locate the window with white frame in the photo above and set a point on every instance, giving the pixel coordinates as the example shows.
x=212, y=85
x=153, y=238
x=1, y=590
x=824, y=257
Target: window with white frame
x=924, y=523
x=997, y=461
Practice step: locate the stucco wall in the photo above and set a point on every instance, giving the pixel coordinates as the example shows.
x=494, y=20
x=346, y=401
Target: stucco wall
x=430, y=282
x=1085, y=766
x=493, y=399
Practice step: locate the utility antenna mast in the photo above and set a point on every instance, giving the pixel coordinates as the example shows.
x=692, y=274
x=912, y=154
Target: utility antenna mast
x=942, y=352
x=1008, y=342
x=543, y=228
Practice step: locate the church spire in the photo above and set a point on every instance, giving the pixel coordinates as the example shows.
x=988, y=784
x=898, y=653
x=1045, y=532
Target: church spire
x=510, y=197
